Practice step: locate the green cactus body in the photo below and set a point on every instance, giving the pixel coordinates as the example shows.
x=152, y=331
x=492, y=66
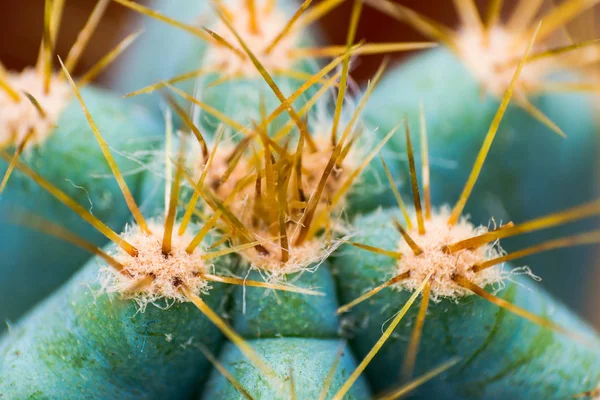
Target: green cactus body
x=71, y=160
x=80, y=343
x=262, y=314
x=303, y=362
x=242, y=89
x=293, y=332
x=84, y=342
x=502, y=355
x=526, y=163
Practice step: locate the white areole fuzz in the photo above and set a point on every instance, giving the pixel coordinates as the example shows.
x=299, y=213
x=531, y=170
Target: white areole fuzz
x=270, y=23
x=442, y=264
x=168, y=273
x=493, y=58
x=17, y=118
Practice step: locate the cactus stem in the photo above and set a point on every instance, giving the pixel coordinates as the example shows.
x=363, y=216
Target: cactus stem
x=521, y=312
x=236, y=339
x=415, y=383
x=331, y=373
x=66, y=200
x=135, y=211
x=223, y=371
x=384, y=337
x=48, y=227
x=489, y=138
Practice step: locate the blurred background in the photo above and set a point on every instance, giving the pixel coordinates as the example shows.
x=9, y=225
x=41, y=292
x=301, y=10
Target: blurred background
x=21, y=31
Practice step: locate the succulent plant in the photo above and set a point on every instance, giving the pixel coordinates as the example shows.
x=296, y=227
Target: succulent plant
x=271, y=253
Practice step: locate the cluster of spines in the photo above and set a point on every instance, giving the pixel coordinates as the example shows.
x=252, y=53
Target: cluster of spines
x=520, y=25
x=234, y=225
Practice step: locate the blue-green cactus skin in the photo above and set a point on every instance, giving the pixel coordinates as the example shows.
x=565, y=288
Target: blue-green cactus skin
x=287, y=329
x=33, y=264
x=273, y=314
x=530, y=171
x=309, y=360
x=502, y=355
x=181, y=52
x=82, y=343
x=162, y=52
x=372, y=188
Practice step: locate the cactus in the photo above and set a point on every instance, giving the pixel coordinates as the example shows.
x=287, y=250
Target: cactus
x=202, y=57
x=549, y=131
x=445, y=256
x=267, y=226
x=41, y=121
x=110, y=328
x=306, y=363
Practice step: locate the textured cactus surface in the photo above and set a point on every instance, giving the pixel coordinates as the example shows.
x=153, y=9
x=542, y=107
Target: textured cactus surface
x=71, y=160
x=305, y=363
x=82, y=343
x=502, y=355
x=285, y=248
x=525, y=164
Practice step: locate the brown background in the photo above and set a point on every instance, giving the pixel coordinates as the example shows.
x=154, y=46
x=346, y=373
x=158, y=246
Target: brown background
x=21, y=29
